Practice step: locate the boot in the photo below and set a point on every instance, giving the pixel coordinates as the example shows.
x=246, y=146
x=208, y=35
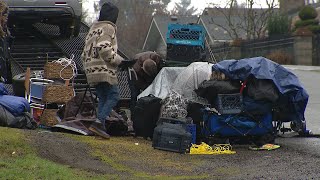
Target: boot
x=97, y=129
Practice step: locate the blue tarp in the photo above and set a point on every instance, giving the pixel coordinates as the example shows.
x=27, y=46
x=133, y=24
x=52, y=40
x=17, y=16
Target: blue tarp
x=15, y=105
x=3, y=90
x=294, y=96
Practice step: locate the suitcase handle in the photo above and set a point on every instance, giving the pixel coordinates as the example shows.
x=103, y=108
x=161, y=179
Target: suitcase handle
x=172, y=121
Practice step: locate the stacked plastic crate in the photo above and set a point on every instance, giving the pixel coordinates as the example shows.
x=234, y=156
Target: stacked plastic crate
x=185, y=42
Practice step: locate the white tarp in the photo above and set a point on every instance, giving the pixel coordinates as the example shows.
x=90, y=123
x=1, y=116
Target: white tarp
x=183, y=80
x=162, y=84
x=190, y=78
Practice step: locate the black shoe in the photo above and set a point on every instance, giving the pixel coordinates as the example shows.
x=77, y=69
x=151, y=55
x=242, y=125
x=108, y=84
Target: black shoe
x=98, y=131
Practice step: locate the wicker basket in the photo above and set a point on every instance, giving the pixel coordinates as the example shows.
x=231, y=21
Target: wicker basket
x=49, y=117
x=57, y=94
x=52, y=71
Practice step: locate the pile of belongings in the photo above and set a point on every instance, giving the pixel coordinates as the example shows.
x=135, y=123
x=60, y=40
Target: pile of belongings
x=77, y=117
x=269, y=84
x=174, y=106
x=264, y=86
x=14, y=111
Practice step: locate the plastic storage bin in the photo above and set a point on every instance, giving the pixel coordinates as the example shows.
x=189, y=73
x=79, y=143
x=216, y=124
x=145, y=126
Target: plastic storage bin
x=229, y=103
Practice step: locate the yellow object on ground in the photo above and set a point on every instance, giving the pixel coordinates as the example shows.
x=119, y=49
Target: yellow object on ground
x=268, y=147
x=204, y=148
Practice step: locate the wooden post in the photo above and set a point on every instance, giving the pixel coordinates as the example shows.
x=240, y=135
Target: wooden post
x=67, y=82
x=27, y=81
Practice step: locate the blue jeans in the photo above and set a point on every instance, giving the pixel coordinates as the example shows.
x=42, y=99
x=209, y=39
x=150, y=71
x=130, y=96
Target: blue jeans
x=108, y=98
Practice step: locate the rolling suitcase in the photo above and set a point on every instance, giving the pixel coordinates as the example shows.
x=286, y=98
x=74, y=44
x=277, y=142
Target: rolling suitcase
x=146, y=112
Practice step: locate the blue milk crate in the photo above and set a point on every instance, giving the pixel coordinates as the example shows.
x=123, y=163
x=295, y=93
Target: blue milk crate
x=186, y=34
x=229, y=103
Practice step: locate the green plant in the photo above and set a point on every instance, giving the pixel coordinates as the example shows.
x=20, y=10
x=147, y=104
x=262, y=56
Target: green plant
x=278, y=24
x=315, y=29
x=302, y=23
x=19, y=160
x=308, y=12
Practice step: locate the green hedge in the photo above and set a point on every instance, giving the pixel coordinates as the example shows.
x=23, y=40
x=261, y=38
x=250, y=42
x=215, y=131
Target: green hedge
x=308, y=12
x=302, y=23
x=278, y=24
x=315, y=29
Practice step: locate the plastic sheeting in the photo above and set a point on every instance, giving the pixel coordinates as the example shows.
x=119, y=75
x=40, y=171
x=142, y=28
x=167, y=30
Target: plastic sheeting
x=190, y=79
x=183, y=80
x=161, y=85
x=294, y=96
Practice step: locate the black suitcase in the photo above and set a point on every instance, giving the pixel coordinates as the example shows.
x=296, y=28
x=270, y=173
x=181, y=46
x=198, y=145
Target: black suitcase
x=172, y=135
x=146, y=115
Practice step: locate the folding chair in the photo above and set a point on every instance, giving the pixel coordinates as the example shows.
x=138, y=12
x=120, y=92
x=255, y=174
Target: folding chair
x=93, y=100
x=34, y=91
x=236, y=125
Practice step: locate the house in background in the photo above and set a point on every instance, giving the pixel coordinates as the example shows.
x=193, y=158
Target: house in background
x=156, y=36
x=217, y=28
x=215, y=23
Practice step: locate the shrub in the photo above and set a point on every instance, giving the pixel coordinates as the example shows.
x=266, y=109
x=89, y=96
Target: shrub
x=280, y=57
x=236, y=42
x=315, y=29
x=278, y=24
x=301, y=23
x=308, y=12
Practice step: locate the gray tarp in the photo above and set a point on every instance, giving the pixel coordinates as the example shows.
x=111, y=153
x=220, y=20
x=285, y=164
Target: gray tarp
x=163, y=82
x=183, y=80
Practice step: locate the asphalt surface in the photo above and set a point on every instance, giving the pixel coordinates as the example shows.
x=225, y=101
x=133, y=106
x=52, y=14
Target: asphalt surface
x=309, y=76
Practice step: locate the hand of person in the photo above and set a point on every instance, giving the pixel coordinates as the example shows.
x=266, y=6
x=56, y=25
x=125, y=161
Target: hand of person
x=125, y=64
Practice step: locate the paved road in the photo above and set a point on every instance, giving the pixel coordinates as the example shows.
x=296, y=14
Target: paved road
x=310, y=78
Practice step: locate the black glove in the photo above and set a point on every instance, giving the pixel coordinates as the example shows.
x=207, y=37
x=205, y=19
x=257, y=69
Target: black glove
x=125, y=64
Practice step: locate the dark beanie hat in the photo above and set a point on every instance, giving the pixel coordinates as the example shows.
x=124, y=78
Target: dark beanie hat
x=109, y=12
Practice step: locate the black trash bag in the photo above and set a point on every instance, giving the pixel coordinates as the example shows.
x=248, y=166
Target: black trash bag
x=262, y=90
x=24, y=121
x=210, y=89
x=116, y=124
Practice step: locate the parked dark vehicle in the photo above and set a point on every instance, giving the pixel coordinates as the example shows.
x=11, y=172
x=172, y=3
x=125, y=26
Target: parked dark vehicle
x=66, y=13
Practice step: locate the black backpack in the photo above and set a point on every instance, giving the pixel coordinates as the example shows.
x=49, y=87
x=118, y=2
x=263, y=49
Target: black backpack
x=146, y=115
x=116, y=124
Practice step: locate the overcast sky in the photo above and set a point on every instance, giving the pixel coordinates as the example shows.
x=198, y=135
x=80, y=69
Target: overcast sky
x=201, y=4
